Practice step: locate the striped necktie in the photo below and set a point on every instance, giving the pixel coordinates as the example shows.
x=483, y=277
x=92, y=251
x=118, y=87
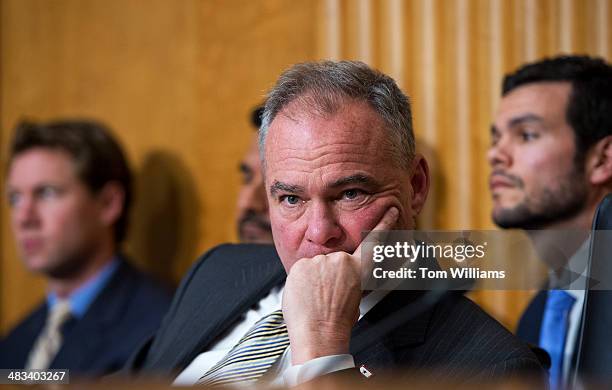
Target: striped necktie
x=254, y=354
x=50, y=339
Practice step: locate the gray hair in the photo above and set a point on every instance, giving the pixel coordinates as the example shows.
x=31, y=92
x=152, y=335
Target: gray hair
x=323, y=86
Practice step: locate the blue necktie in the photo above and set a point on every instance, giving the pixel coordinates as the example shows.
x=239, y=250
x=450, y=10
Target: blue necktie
x=554, y=331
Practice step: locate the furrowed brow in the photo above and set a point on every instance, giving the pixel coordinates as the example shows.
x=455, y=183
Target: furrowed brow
x=278, y=186
x=354, y=179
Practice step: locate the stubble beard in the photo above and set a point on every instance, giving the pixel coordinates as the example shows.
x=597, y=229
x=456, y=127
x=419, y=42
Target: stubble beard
x=551, y=206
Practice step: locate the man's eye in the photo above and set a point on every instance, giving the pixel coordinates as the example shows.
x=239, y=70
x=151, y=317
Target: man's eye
x=352, y=194
x=290, y=200
x=246, y=178
x=13, y=198
x=47, y=192
x=528, y=135
x=246, y=172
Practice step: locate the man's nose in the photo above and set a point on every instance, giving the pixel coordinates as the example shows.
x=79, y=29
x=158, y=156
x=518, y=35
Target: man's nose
x=323, y=228
x=499, y=154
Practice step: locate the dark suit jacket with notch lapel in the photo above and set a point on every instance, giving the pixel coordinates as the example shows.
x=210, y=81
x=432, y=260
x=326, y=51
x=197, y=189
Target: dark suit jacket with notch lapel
x=127, y=311
x=455, y=334
x=530, y=322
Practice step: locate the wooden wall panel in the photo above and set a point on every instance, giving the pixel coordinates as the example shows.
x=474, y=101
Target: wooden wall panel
x=453, y=56
x=176, y=80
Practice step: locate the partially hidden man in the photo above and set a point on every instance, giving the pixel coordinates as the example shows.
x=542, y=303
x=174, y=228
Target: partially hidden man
x=69, y=192
x=252, y=219
x=338, y=159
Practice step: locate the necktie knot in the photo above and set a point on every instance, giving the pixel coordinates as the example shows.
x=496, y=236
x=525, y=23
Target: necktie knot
x=59, y=313
x=560, y=300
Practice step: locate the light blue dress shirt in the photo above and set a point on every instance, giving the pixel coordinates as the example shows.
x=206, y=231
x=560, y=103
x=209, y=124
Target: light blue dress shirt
x=82, y=298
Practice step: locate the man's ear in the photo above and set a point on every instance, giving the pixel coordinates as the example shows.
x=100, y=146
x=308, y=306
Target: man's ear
x=111, y=200
x=420, y=182
x=599, y=162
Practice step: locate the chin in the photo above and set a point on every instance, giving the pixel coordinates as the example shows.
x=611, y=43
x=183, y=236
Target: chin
x=508, y=199
x=37, y=265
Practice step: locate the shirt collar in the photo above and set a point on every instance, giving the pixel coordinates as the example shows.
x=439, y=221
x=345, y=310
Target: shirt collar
x=81, y=298
x=370, y=300
x=574, y=276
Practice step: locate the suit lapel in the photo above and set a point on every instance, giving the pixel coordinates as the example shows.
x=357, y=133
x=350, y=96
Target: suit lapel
x=393, y=324
x=375, y=326
x=16, y=347
x=232, y=282
x=531, y=319
x=86, y=336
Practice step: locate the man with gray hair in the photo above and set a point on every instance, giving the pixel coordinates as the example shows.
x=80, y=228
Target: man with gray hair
x=338, y=157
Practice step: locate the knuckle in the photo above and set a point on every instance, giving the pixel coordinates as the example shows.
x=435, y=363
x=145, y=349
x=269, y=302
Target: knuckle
x=299, y=266
x=320, y=258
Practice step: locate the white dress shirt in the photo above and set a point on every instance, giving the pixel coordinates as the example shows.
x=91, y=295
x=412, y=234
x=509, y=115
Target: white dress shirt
x=282, y=373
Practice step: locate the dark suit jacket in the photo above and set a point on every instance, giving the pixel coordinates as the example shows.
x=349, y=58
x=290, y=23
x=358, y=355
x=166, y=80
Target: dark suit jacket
x=531, y=320
x=126, y=312
x=530, y=324
x=228, y=280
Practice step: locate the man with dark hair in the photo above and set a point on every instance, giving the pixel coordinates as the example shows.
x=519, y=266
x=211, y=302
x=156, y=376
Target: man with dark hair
x=338, y=159
x=69, y=192
x=551, y=160
x=253, y=221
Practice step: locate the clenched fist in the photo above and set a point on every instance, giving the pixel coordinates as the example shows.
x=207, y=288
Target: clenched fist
x=321, y=300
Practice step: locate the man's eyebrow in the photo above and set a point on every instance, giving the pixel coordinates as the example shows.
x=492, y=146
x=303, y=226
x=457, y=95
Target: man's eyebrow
x=358, y=178
x=524, y=118
x=518, y=121
x=278, y=186
x=243, y=167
